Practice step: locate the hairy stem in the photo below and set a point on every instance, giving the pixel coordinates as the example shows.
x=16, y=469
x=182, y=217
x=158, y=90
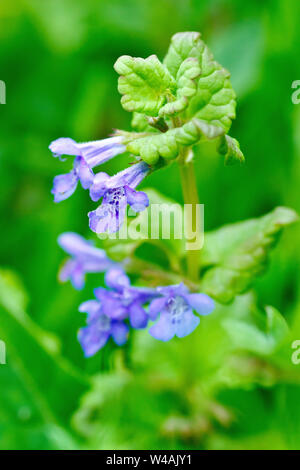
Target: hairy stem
x=190, y=196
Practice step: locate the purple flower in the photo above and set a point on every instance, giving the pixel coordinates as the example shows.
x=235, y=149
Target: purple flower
x=117, y=191
x=85, y=258
x=106, y=315
x=122, y=300
x=175, y=307
x=99, y=329
x=88, y=155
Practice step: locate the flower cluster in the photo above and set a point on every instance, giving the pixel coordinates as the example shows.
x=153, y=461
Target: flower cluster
x=116, y=191
x=119, y=305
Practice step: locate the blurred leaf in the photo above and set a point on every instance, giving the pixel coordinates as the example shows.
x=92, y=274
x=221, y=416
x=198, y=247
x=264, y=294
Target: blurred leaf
x=236, y=254
x=135, y=399
x=249, y=337
x=39, y=365
x=240, y=48
x=61, y=22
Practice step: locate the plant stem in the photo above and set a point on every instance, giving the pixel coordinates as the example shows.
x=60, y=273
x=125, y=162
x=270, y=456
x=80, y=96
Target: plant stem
x=190, y=196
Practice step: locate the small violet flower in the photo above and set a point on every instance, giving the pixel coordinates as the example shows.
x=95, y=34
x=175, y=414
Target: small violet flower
x=85, y=258
x=117, y=191
x=106, y=315
x=175, y=307
x=88, y=155
x=99, y=329
x=122, y=300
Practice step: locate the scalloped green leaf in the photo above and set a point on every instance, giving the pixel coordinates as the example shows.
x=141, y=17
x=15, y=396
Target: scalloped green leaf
x=144, y=84
x=140, y=123
x=167, y=145
x=214, y=100
x=230, y=148
x=236, y=254
x=188, y=71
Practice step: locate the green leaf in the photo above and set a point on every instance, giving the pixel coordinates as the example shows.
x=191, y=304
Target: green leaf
x=35, y=356
x=248, y=336
x=144, y=84
x=214, y=100
x=240, y=48
x=196, y=87
x=188, y=71
x=183, y=45
x=236, y=254
x=167, y=145
x=230, y=148
x=140, y=123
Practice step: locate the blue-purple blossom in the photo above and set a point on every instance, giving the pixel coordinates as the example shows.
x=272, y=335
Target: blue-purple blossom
x=117, y=191
x=99, y=329
x=85, y=258
x=175, y=309
x=87, y=156
x=112, y=307
x=121, y=300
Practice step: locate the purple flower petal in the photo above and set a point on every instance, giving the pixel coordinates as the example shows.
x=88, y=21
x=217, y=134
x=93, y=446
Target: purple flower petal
x=64, y=146
x=84, y=173
x=73, y=244
x=104, y=219
x=164, y=329
x=131, y=176
x=77, y=246
x=156, y=307
x=64, y=186
x=94, y=153
x=100, y=151
x=92, y=308
x=111, y=304
x=86, y=258
x=92, y=340
x=96, y=265
x=66, y=270
x=98, y=188
x=114, y=309
x=78, y=278
x=173, y=290
x=109, y=216
x=100, y=293
x=137, y=316
x=187, y=324
x=73, y=271
x=175, y=308
x=138, y=200
x=115, y=278
x=202, y=303
x=119, y=332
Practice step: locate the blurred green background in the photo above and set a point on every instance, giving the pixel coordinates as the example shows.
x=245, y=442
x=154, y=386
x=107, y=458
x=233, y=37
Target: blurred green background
x=201, y=392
